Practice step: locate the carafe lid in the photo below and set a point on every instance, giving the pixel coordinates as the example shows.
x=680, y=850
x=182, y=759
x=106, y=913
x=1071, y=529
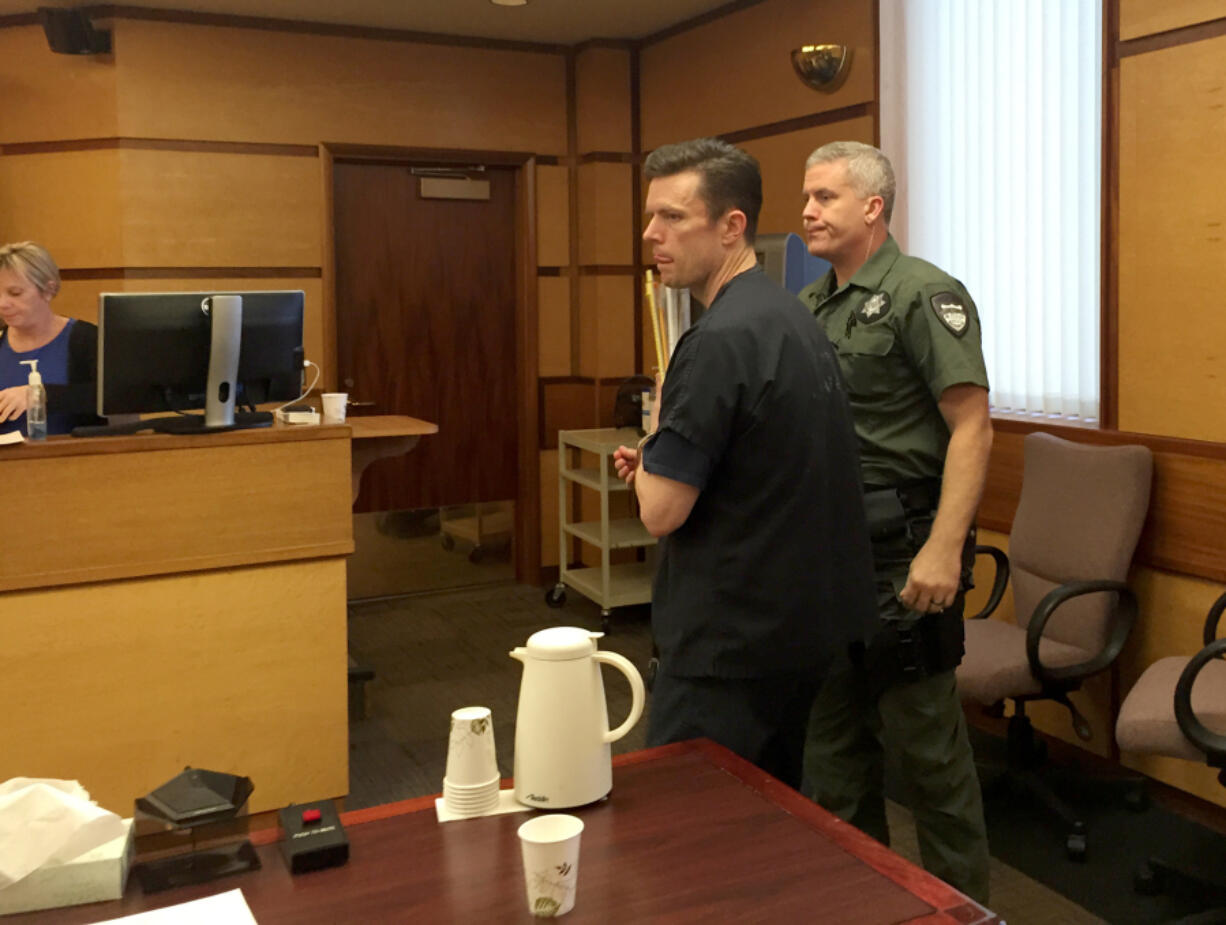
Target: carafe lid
x=559, y=643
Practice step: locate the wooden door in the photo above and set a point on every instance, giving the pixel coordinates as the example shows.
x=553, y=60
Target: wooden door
x=425, y=306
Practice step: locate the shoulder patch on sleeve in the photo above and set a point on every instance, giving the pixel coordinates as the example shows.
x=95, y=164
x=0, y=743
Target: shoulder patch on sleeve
x=951, y=312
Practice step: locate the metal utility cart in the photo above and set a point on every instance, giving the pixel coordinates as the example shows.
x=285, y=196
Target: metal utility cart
x=608, y=585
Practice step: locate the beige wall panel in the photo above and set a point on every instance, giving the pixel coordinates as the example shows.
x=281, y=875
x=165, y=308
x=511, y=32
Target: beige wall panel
x=736, y=71
x=553, y=325
x=225, y=84
x=602, y=96
x=1172, y=244
x=606, y=214
x=68, y=202
x=79, y=299
x=239, y=670
x=50, y=97
x=549, y=507
x=1145, y=17
x=552, y=216
x=782, y=158
x=606, y=327
x=197, y=209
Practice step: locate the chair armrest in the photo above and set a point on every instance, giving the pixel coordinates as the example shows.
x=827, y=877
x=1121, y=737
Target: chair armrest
x=1211, y=621
x=999, y=581
x=1121, y=626
x=1209, y=742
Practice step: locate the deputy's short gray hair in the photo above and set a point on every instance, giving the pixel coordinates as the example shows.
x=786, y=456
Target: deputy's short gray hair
x=868, y=169
x=34, y=263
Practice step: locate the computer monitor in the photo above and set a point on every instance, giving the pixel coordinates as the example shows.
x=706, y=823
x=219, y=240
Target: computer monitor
x=156, y=351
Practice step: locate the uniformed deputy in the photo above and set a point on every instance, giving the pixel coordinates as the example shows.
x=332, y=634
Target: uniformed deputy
x=908, y=343
x=765, y=569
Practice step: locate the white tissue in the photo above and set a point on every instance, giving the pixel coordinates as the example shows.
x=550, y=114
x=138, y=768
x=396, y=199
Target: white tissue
x=45, y=822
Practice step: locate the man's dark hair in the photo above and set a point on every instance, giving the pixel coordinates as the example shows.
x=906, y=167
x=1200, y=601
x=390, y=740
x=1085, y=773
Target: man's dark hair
x=730, y=178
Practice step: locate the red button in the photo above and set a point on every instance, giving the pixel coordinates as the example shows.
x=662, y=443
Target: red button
x=310, y=815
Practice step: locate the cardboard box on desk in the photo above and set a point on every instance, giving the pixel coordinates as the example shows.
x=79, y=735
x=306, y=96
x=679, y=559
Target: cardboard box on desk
x=96, y=875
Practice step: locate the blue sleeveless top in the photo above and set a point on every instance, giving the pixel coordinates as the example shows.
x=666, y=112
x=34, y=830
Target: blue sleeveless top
x=52, y=366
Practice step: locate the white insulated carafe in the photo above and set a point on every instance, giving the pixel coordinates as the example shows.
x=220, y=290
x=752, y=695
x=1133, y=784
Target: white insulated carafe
x=562, y=735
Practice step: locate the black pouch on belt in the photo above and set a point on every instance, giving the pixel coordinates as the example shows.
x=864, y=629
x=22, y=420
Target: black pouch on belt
x=886, y=516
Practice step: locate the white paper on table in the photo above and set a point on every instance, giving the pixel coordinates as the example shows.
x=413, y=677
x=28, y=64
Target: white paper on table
x=13, y=436
x=223, y=909
x=47, y=821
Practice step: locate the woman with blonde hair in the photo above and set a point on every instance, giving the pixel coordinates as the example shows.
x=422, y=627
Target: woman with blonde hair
x=66, y=348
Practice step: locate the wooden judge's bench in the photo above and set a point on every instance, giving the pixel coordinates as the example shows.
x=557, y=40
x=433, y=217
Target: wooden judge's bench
x=168, y=601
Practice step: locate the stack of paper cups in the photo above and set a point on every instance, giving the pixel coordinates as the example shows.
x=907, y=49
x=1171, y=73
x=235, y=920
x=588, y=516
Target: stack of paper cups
x=470, y=787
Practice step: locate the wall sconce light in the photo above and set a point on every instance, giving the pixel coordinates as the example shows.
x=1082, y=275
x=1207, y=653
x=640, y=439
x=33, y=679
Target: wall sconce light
x=822, y=67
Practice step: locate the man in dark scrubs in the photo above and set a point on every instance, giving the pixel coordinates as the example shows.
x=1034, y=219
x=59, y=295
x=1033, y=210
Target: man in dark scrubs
x=750, y=476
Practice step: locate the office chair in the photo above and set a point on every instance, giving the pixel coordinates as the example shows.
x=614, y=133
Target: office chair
x=1078, y=521
x=1163, y=715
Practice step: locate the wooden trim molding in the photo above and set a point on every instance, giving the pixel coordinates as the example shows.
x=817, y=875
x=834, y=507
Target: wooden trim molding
x=345, y=152
x=1213, y=29
x=1187, y=509
x=1108, y=325
x=158, y=144
x=702, y=18
x=636, y=206
x=607, y=269
x=527, y=350
x=608, y=157
x=829, y=117
x=270, y=24
x=79, y=273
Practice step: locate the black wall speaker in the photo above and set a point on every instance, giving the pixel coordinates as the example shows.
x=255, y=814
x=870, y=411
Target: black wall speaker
x=69, y=32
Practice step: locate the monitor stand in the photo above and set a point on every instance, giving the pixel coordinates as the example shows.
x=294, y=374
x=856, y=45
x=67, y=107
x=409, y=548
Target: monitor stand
x=177, y=424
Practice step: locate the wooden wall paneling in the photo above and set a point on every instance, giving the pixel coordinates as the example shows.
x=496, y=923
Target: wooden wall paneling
x=1172, y=260
x=78, y=298
x=1187, y=508
x=549, y=505
x=685, y=93
x=301, y=88
x=49, y=97
x=1146, y=17
x=552, y=216
x=67, y=201
x=226, y=210
x=602, y=90
x=605, y=213
x=553, y=325
x=566, y=404
x=124, y=704
x=782, y=159
x=606, y=330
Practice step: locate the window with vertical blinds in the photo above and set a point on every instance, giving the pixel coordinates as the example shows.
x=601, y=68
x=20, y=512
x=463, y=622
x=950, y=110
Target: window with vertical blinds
x=991, y=113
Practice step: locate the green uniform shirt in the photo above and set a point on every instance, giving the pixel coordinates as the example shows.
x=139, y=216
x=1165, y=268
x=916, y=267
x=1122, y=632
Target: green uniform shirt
x=904, y=331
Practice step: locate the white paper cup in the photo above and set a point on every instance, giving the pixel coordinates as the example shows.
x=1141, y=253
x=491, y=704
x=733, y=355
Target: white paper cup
x=550, y=846
x=334, y=406
x=471, y=761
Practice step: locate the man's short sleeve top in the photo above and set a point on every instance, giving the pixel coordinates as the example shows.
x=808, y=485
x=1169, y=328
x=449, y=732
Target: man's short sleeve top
x=771, y=572
x=904, y=331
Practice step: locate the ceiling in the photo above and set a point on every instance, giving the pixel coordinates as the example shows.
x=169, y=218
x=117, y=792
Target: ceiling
x=564, y=22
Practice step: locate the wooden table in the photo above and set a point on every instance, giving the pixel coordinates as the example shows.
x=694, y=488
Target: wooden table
x=691, y=833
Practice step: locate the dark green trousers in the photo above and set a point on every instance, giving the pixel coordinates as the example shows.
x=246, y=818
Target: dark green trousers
x=920, y=726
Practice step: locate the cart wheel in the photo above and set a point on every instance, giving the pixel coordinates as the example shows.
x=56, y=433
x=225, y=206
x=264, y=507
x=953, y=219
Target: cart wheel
x=476, y=554
x=1075, y=846
x=448, y=542
x=556, y=596
x=606, y=621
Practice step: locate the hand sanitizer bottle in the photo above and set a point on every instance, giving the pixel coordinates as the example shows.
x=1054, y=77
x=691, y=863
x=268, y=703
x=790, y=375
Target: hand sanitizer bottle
x=36, y=403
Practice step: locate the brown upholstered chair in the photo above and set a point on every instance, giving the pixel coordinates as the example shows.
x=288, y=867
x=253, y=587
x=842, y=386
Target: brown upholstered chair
x=1077, y=524
x=1178, y=708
